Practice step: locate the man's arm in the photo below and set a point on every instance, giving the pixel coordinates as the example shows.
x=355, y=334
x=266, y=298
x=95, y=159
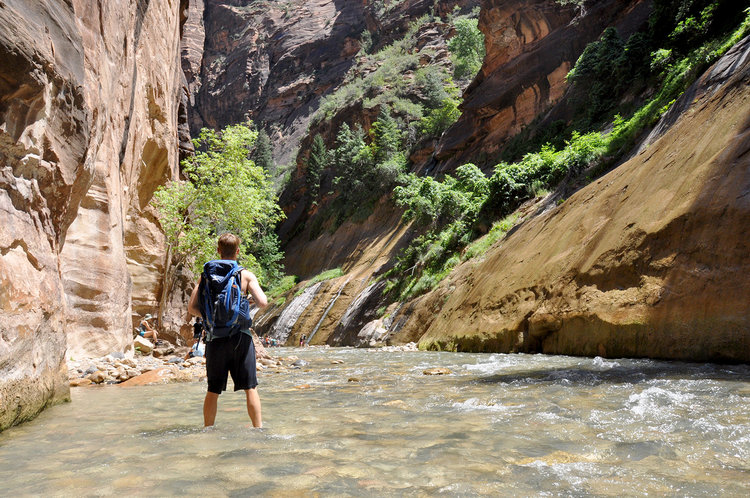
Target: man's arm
x=250, y=284
x=193, y=307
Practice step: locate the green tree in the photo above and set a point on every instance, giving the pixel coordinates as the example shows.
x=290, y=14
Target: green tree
x=438, y=120
x=467, y=47
x=224, y=191
x=354, y=164
x=318, y=161
x=263, y=153
x=386, y=136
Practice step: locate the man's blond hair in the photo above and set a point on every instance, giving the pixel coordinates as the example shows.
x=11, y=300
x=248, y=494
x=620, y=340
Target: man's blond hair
x=228, y=245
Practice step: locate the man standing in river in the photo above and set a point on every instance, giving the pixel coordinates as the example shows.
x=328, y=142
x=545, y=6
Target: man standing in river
x=234, y=354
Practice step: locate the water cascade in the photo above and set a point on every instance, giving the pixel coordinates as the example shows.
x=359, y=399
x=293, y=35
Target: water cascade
x=283, y=326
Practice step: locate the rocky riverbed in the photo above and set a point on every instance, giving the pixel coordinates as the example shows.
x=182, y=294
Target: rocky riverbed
x=165, y=363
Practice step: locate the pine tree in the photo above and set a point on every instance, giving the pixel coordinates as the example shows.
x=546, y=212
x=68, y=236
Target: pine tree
x=386, y=136
x=262, y=154
x=317, y=162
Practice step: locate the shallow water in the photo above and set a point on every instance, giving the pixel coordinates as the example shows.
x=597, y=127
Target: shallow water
x=375, y=425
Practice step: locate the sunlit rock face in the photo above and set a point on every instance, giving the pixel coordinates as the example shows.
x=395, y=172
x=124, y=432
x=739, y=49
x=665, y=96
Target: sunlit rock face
x=531, y=45
x=651, y=260
x=89, y=96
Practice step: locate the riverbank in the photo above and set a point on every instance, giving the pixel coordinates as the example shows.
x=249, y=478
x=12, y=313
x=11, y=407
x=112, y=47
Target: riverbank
x=166, y=363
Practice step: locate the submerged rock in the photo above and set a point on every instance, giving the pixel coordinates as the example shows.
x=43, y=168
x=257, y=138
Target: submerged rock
x=80, y=382
x=437, y=371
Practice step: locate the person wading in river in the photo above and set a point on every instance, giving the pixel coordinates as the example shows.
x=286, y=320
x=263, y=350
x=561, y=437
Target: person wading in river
x=234, y=353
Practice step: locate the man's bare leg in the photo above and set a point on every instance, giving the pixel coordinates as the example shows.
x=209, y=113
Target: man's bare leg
x=253, y=407
x=209, y=408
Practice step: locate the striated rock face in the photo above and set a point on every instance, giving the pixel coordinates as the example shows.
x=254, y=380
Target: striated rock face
x=269, y=62
x=89, y=93
x=650, y=260
x=531, y=45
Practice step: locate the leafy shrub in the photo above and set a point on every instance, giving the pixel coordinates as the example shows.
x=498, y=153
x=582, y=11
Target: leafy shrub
x=467, y=48
x=511, y=184
x=438, y=120
x=438, y=203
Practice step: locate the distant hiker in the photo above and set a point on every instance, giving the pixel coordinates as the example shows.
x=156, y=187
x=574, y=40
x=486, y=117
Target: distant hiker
x=219, y=298
x=146, y=330
x=198, y=347
x=198, y=328
x=302, y=340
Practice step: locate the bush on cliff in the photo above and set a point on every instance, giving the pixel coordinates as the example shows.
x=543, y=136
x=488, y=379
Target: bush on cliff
x=452, y=210
x=467, y=48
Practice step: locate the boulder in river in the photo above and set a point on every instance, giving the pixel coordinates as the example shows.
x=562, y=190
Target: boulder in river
x=97, y=377
x=437, y=371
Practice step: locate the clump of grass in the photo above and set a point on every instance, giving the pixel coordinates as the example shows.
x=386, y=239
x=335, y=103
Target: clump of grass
x=284, y=285
x=320, y=277
x=499, y=229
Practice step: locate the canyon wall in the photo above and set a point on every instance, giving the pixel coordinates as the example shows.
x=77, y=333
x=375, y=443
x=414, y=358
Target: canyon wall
x=271, y=62
x=268, y=62
x=89, y=97
x=531, y=45
x=650, y=260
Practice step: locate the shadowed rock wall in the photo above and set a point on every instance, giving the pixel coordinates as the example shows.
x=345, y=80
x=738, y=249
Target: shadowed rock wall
x=89, y=93
x=531, y=45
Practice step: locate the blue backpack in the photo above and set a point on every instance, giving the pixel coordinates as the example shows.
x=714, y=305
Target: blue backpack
x=225, y=310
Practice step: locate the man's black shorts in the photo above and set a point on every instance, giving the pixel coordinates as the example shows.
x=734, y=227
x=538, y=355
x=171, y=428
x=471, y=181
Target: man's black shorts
x=234, y=354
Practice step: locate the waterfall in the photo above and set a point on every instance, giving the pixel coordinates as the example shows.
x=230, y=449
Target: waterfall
x=353, y=310
x=283, y=326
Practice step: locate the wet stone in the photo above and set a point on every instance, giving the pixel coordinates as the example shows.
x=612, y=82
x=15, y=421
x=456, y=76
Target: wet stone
x=97, y=377
x=437, y=371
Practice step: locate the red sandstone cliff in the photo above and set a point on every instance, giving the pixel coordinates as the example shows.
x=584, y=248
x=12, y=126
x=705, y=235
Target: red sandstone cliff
x=271, y=62
x=89, y=96
x=648, y=261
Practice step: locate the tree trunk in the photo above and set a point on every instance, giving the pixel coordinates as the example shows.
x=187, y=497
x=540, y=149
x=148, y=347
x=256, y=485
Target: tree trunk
x=166, y=285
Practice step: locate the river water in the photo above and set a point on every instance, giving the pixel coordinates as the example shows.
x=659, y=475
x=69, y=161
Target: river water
x=375, y=425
